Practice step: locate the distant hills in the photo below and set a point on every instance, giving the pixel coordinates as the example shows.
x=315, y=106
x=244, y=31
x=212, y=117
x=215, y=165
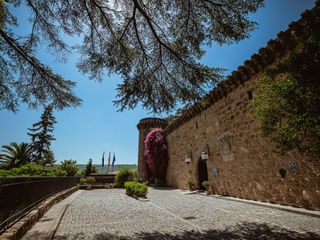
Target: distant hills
x=116, y=168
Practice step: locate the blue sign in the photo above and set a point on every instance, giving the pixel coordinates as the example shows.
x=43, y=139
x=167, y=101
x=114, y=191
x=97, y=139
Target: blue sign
x=293, y=166
x=214, y=172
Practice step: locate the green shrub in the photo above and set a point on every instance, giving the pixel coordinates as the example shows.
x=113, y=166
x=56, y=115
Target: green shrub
x=206, y=184
x=14, y=172
x=140, y=190
x=29, y=169
x=25, y=170
x=129, y=186
x=190, y=184
x=90, y=180
x=57, y=171
x=287, y=102
x=33, y=170
x=124, y=175
x=4, y=172
x=136, y=189
x=82, y=180
x=70, y=166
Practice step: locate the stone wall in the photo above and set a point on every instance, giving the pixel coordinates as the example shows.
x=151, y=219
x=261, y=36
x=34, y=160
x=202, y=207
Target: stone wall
x=246, y=165
x=222, y=125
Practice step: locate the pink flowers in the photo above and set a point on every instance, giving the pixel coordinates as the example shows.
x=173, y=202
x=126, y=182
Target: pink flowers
x=156, y=153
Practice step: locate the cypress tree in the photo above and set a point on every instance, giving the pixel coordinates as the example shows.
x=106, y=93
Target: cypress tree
x=42, y=134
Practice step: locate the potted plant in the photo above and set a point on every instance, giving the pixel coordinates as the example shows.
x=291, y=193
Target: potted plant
x=89, y=182
x=206, y=185
x=82, y=181
x=191, y=185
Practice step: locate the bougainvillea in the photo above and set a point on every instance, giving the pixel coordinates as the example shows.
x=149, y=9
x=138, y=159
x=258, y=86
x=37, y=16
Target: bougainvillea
x=156, y=153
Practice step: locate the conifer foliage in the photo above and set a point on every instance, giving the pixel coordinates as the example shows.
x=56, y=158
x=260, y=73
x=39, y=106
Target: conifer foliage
x=42, y=134
x=90, y=168
x=155, y=46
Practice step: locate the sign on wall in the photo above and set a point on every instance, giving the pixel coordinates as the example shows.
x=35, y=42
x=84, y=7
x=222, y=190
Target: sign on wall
x=214, y=172
x=293, y=166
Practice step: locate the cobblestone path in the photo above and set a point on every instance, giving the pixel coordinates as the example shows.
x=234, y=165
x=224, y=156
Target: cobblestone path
x=170, y=214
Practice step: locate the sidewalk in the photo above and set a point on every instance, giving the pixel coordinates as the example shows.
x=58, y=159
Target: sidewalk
x=303, y=211
x=170, y=214
x=45, y=228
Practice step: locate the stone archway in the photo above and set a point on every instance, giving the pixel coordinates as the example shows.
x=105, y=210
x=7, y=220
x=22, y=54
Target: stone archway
x=202, y=173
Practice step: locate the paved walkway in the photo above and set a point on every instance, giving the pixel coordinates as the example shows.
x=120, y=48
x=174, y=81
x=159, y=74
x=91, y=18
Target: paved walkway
x=170, y=214
x=45, y=228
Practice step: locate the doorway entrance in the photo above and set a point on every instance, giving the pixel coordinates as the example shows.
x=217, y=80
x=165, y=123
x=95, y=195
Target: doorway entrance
x=203, y=173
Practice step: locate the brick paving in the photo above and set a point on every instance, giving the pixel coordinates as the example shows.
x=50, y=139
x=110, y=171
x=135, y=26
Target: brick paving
x=44, y=229
x=170, y=214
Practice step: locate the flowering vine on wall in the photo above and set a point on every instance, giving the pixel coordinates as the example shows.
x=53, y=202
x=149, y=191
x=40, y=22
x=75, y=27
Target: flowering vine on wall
x=156, y=153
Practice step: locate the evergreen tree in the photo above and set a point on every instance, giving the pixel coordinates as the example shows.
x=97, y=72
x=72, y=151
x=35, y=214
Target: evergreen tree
x=90, y=168
x=48, y=158
x=155, y=46
x=41, y=134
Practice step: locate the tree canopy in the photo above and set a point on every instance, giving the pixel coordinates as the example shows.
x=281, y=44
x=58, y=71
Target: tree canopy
x=155, y=46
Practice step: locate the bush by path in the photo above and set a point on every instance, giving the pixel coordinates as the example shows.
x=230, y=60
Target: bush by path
x=124, y=175
x=136, y=189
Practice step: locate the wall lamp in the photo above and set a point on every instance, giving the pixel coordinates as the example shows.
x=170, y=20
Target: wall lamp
x=188, y=158
x=205, y=154
x=47, y=168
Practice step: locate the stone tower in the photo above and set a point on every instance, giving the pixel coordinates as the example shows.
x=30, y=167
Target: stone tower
x=144, y=126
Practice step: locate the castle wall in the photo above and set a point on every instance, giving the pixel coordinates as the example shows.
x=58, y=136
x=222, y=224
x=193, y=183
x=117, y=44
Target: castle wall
x=222, y=124
x=241, y=162
x=246, y=164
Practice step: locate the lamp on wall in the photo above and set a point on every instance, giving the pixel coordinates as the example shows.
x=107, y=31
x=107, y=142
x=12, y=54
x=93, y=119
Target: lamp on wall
x=204, y=156
x=188, y=158
x=47, y=168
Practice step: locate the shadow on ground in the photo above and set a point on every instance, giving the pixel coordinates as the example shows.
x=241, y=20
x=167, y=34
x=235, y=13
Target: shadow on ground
x=246, y=230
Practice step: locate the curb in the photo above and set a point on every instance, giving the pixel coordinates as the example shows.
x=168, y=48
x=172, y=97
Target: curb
x=95, y=186
x=53, y=233
x=17, y=230
x=140, y=199
x=190, y=192
x=143, y=199
x=302, y=211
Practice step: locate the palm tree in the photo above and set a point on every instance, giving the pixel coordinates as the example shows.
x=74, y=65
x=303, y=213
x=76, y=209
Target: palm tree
x=15, y=154
x=3, y=162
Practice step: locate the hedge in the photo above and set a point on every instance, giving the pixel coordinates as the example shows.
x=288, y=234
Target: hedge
x=136, y=189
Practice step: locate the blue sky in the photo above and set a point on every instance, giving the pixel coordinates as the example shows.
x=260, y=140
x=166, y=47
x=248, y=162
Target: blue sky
x=96, y=126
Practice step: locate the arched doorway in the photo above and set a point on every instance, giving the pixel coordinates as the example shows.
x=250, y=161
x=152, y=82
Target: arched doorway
x=203, y=173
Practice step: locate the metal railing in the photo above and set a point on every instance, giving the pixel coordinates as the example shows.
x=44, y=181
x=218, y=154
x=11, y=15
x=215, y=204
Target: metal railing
x=19, y=195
